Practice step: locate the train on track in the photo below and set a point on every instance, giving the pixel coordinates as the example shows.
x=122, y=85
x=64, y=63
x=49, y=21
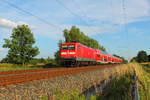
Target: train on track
x=77, y=54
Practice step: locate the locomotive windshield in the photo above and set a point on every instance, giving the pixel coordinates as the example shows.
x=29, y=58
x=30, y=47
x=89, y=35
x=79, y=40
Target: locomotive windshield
x=71, y=47
x=64, y=47
x=68, y=47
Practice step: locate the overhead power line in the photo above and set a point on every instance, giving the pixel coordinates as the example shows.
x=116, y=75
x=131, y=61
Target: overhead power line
x=74, y=14
x=124, y=14
x=125, y=26
x=79, y=7
x=29, y=13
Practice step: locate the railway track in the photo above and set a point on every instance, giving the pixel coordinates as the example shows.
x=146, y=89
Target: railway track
x=13, y=77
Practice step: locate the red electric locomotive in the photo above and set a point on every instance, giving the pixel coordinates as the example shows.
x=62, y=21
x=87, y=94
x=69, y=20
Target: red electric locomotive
x=76, y=54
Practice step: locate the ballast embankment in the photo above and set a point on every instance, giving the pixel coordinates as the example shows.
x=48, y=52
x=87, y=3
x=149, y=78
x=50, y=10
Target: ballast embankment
x=33, y=90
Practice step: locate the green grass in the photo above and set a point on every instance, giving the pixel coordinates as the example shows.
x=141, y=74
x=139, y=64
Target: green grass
x=119, y=89
x=144, y=87
x=68, y=95
x=13, y=67
x=145, y=64
x=147, y=69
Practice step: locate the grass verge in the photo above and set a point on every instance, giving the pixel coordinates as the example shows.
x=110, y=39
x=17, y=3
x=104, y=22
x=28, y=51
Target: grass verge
x=13, y=67
x=121, y=87
x=144, y=84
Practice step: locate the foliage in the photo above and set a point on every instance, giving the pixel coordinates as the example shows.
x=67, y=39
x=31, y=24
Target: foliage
x=35, y=61
x=44, y=62
x=44, y=98
x=144, y=87
x=142, y=56
x=57, y=53
x=69, y=95
x=120, y=88
x=146, y=64
x=4, y=60
x=57, y=57
x=14, y=67
x=75, y=35
x=20, y=45
x=134, y=59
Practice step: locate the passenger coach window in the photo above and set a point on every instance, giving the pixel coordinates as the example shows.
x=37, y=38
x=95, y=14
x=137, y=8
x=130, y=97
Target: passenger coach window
x=71, y=47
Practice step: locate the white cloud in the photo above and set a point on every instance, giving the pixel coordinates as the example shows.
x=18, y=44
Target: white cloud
x=7, y=23
x=10, y=24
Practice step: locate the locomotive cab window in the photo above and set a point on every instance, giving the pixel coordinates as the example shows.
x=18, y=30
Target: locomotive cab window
x=64, y=47
x=71, y=47
x=68, y=47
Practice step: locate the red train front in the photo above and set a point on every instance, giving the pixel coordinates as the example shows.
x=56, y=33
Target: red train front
x=76, y=54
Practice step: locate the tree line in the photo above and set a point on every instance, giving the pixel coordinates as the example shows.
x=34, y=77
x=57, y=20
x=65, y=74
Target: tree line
x=141, y=57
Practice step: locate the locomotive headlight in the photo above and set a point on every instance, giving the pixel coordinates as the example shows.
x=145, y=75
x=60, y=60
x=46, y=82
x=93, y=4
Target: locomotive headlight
x=63, y=53
x=71, y=52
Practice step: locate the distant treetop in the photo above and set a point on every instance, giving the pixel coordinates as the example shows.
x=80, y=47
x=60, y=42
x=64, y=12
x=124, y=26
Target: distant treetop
x=141, y=57
x=75, y=35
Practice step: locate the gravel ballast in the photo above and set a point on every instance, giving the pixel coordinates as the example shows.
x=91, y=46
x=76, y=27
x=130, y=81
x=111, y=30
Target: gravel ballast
x=35, y=89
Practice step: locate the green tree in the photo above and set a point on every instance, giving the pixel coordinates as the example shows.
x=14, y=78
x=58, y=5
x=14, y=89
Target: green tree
x=20, y=45
x=75, y=35
x=134, y=59
x=57, y=53
x=4, y=60
x=142, y=56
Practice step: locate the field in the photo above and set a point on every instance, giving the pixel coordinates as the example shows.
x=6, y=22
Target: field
x=146, y=83
x=146, y=63
x=12, y=67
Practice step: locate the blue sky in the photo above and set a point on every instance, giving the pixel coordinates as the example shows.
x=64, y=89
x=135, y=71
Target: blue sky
x=123, y=32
